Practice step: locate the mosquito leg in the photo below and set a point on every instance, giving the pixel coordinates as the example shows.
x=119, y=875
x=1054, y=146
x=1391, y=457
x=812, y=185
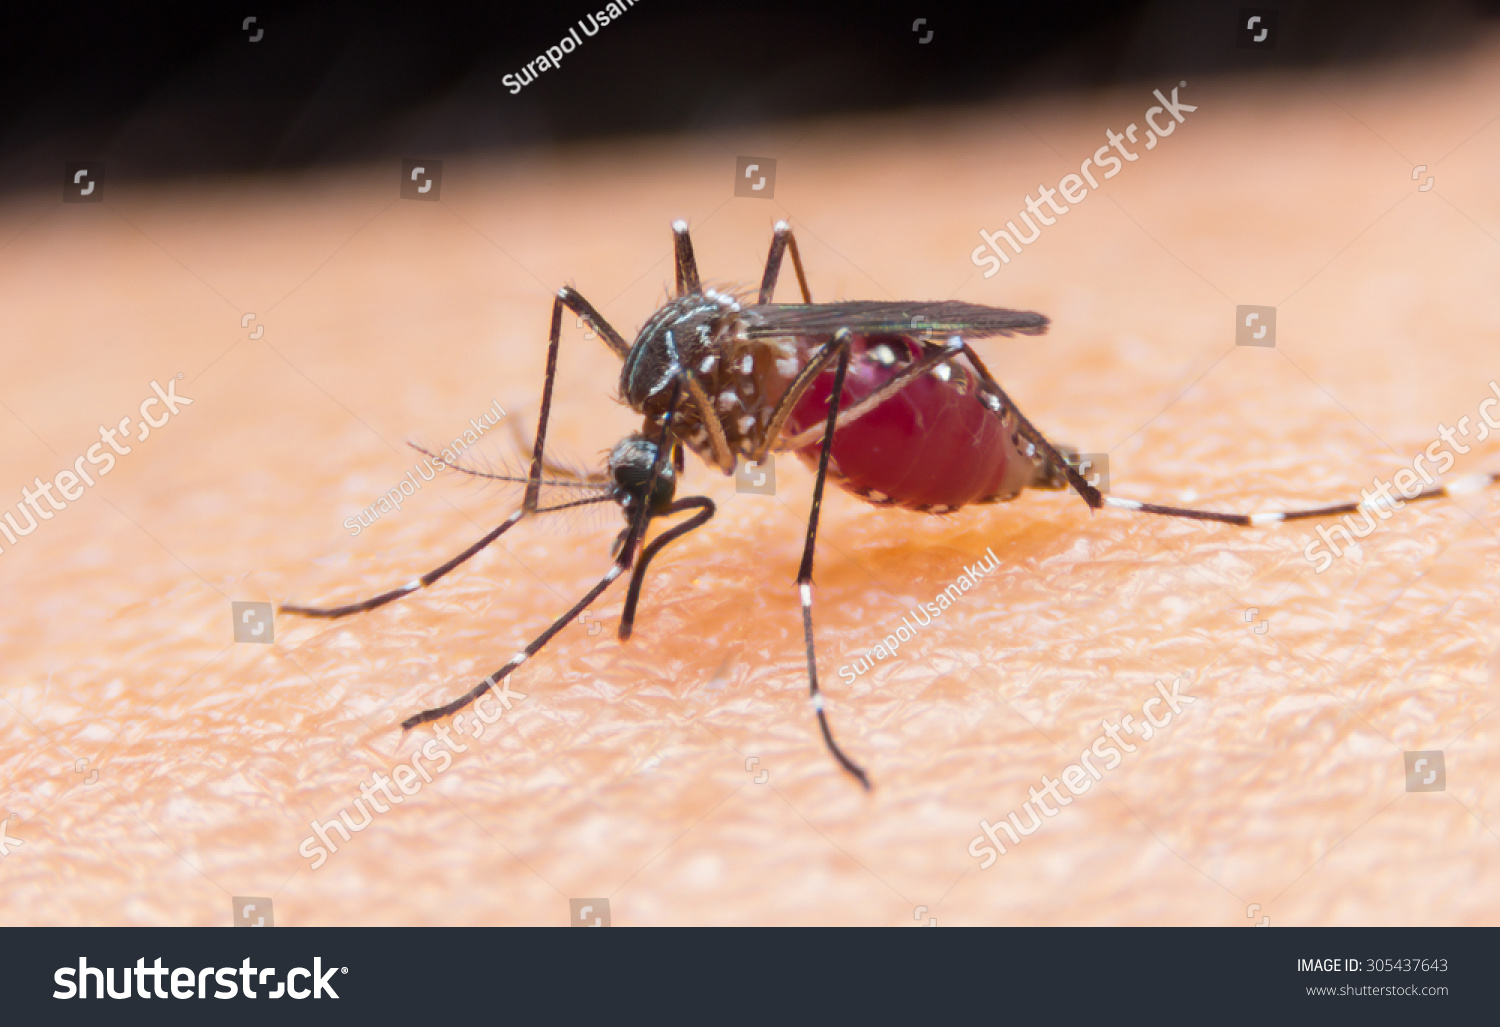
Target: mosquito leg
x=408, y=588
x=842, y=341
x=522, y=656
x=819, y=363
x=687, y=266
x=533, y=490
x=723, y=455
x=575, y=302
x=934, y=356
x=705, y=508
x=565, y=297
x=1029, y=432
x=624, y=557
x=1464, y=486
x=782, y=240
x=816, y=365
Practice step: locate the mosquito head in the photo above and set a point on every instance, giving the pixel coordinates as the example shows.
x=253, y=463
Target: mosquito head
x=630, y=465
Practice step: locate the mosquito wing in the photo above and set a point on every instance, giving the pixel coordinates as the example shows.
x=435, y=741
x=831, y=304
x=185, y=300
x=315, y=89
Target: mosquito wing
x=972, y=321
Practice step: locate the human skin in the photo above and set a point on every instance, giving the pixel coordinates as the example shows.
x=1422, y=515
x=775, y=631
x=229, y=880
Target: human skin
x=680, y=774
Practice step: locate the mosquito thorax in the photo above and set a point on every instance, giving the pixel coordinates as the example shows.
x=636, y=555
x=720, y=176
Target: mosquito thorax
x=630, y=472
x=694, y=331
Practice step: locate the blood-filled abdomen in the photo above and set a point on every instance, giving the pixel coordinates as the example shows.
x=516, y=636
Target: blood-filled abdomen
x=937, y=444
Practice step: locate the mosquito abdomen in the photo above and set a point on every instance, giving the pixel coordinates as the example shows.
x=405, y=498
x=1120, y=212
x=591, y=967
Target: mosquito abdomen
x=938, y=444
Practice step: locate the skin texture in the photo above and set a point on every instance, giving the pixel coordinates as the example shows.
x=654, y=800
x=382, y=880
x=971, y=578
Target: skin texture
x=681, y=774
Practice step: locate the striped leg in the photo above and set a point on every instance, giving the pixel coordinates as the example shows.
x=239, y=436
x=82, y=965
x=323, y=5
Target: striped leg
x=686, y=263
x=804, y=573
x=934, y=356
x=1092, y=496
x=781, y=241
x=408, y=588
x=1464, y=486
x=622, y=563
x=534, y=481
x=1467, y=485
x=624, y=557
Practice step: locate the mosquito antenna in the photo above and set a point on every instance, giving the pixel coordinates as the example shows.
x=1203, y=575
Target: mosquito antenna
x=593, y=477
x=623, y=561
x=566, y=483
x=592, y=501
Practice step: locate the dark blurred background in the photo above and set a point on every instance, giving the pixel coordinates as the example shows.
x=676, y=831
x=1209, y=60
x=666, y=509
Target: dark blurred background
x=172, y=89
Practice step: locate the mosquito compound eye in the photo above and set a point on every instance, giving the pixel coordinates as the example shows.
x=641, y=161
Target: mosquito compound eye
x=630, y=466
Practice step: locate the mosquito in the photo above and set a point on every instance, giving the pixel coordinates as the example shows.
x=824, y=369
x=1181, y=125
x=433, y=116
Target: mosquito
x=918, y=423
